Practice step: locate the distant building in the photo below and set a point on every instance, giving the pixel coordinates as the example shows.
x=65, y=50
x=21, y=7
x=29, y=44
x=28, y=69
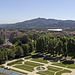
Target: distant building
x=55, y=30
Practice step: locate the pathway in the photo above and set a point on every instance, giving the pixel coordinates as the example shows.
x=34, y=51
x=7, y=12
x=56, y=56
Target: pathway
x=35, y=71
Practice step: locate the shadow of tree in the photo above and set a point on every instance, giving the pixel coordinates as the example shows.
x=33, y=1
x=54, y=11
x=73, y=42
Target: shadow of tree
x=48, y=57
x=68, y=62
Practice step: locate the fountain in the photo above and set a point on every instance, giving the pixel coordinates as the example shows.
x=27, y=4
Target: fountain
x=40, y=68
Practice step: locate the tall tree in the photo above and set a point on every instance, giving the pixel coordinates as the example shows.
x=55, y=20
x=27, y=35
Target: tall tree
x=25, y=48
x=1, y=40
x=31, y=47
x=71, y=47
x=19, y=51
x=35, y=36
x=52, y=46
x=24, y=39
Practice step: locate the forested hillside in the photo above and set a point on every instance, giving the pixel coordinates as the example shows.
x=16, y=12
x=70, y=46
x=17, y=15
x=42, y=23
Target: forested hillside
x=41, y=23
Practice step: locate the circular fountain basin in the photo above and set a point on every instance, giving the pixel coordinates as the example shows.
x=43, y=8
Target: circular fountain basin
x=40, y=68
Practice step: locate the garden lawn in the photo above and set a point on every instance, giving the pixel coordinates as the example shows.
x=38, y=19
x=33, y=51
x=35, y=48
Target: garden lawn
x=51, y=70
x=15, y=62
x=64, y=71
x=54, y=68
x=28, y=57
x=46, y=72
x=1, y=66
x=72, y=66
x=40, y=60
x=29, y=66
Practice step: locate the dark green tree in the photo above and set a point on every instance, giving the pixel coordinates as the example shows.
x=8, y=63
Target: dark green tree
x=1, y=40
x=19, y=51
x=25, y=48
x=31, y=47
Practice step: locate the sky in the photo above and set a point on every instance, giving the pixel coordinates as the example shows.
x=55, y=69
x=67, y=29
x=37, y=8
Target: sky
x=12, y=11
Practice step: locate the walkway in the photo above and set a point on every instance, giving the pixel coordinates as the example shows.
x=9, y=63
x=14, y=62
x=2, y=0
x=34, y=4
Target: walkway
x=35, y=71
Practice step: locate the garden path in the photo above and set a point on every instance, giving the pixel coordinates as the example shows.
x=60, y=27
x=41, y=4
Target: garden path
x=35, y=71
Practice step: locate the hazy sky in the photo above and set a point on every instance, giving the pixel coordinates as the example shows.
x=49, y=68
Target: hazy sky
x=12, y=11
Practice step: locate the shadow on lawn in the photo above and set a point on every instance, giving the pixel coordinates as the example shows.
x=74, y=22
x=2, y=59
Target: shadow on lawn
x=48, y=57
x=37, y=56
x=68, y=62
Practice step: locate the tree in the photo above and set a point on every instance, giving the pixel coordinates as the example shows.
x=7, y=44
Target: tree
x=30, y=36
x=19, y=51
x=18, y=43
x=15, y=39
x=24, y=39
x=1, y=40
x=25, y=48
x=35, y=36
x=60, y=47
x=65, y=49
x=40, y=43
x=71, y=47
x=3, y=56
x=11, y=54
x=31, y=47
x=52, y=46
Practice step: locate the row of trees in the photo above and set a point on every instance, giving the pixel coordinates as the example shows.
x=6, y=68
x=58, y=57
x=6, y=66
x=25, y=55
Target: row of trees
x=53, y=44
x=56, y=45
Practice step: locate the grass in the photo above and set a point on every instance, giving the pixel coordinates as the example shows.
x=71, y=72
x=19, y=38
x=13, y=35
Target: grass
x=18, y=71
x=46, y=72
x=25, y=67
x=64, y=71
x=28, y=57
x=40, y=60
x=15, y=62
x=68, y=57
x=29, y=66
x=1, y=66
x=51, y=70
x=33, y=64
x=72, y=66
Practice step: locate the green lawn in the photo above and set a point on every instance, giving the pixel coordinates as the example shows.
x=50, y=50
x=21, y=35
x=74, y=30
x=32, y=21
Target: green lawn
x=46, y=72
x=40, y=60
x=72, y=66
x=15, y=62
x=64, y=71
x=29, y=66
x=1, y=66
x=28, y=57
x=51, y=70
x=32, y=64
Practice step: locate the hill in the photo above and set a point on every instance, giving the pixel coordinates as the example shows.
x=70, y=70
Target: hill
x=42, y=23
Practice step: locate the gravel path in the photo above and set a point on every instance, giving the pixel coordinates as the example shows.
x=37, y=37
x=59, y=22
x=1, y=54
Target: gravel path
x=35, y=71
